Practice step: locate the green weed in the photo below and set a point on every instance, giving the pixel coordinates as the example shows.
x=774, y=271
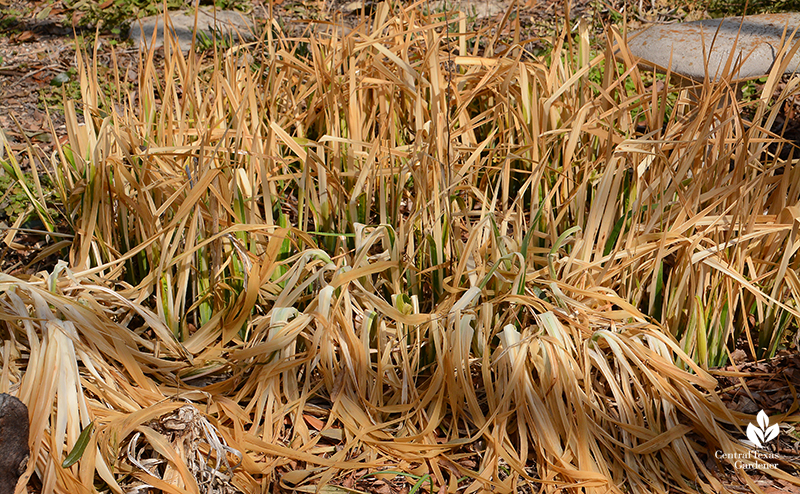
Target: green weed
x=14, y=201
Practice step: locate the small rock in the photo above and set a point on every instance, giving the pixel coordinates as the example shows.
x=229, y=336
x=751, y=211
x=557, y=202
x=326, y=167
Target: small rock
x=478, y=9
x=352, y=7
x=738, y=357
x=13, y=442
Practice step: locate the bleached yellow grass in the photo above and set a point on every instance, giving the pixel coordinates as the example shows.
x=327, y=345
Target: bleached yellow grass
x=417, y=256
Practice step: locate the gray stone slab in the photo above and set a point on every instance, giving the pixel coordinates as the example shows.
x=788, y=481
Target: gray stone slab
x=755, y=41
x=226, y=22
x=479, y=9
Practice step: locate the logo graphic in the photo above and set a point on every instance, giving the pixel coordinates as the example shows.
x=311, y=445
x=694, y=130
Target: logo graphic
x=762, y=434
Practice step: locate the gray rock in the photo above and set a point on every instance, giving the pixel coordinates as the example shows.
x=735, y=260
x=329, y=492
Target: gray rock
x=226, y=22
x=14, y=452
x=480, y=9
x=755, y=46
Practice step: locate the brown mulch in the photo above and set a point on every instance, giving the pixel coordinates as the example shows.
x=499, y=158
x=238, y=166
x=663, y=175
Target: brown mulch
x=33, y=51
x=769, y=385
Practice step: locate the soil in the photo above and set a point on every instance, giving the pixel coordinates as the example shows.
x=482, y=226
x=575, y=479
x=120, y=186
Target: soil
x=38, y=49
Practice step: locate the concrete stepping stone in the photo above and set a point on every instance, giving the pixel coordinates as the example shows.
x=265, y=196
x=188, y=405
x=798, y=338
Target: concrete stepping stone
x=224, y=22
x=479, y=9
x=755, y=40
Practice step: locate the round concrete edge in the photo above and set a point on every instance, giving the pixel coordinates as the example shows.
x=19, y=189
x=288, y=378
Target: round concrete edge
x=754, y=40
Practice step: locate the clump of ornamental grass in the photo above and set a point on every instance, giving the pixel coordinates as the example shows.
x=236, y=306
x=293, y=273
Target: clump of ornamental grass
x=397, y=250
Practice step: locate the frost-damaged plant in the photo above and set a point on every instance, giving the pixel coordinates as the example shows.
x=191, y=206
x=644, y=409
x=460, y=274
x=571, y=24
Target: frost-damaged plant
x=388, y=252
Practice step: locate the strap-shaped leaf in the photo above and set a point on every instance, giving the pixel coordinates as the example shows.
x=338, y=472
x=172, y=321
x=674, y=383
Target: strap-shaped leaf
x=80, y=446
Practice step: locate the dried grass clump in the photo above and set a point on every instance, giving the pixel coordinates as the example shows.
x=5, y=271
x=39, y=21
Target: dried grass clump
x=393, y=251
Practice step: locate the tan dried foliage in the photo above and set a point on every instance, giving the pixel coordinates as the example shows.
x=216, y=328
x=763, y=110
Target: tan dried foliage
x=395, y=250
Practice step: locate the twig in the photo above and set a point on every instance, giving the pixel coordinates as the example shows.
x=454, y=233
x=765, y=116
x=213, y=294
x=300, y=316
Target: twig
x=30, y=74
